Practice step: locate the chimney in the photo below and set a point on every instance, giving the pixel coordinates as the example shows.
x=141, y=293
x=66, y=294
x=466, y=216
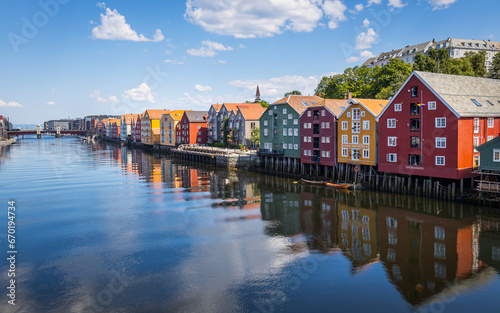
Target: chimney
x=348, y=95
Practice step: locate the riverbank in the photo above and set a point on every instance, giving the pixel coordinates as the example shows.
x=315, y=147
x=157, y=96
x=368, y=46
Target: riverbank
x=5, y=142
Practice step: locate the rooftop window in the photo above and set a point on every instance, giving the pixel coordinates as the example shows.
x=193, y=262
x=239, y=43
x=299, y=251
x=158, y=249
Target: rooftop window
x=476, y=102
x=490, y=102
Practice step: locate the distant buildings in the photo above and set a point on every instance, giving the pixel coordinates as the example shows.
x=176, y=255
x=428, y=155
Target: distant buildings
x=456, y=49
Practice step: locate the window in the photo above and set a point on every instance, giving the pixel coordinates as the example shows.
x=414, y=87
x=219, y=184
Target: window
x=414, y=125
x=295, y=131
x=496, y=155
x=392, y=157
x=344, y=152
x=356, y=114
x=476, y=126
x=265, y=123
x=366, y=125
x=290, y=146
x=476, y=143
x=355, y=154
x=305, y=138
x=354, y=138
x=323, y=139
x=491, y=122
x=323, y=125
x=414, y=109
x=270, y=112
x=308, y=113
x=440, y=160
x=439, y=232
x=296, y=146
x=348, y=114
x=327, y=125
x=490, y=137
x=391, y=123
x=265, y=131
x=431, y=105
x=439, y=250
x=440, y=142
x=414, y=142
x=366, y=154
x=440, y=122
x=327, y=139
x=356, y=127
x=344, y=125
x=397, y=107
x=414, y=91
x=285, y=122
x=284, y=132
x=322, y=112
x=295, y=122
x=290, y=116
x=290, y=132
x=366, y=139
x=284, y=146
x=476, y=102
x=284, y=111
x=392, y=141
x=344, y=139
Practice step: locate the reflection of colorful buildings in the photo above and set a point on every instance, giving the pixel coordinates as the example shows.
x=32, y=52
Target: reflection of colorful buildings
x=423, y=253
x=357, y=234
x=283, y=209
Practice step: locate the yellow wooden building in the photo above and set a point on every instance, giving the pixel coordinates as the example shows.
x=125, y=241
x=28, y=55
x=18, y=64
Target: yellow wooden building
x=168, y=123
x=150, y=126
x=357, y=131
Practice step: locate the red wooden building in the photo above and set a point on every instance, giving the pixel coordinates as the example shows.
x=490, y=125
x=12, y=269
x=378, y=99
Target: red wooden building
x=192, y=128
x=136, y=130
x=318, y=133
x=439, y=138
x=115, y=129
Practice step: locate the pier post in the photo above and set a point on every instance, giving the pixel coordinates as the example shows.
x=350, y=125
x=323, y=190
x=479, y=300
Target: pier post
x=38, y=132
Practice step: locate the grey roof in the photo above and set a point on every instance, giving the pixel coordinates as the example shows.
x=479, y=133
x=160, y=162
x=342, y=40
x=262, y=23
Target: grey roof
x=457, y=92
x=196, y=116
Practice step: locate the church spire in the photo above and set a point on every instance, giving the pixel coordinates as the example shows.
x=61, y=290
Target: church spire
x=257, y=95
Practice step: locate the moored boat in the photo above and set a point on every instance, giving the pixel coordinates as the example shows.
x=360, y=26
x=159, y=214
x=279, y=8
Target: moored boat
x=312, y=182
x=338, y=186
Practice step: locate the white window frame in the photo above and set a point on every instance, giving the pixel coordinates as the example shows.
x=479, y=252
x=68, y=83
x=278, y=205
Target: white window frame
x=355, y=139
x=440, y=160
x=323, y=112
x=366, y=139
x=296, y=146
x=327, y=139
x=270, y=112
x=322, y=125
x=392, y=157
x=290, y=116
x=354, y=128
x=327, y=125
x=366, y=125
x=491, y=122
x=345, y=125
x=295, y=131
x=323, y=139
x=440, y=142
x=308, y=113
x=440, y=122
x=284, y=132
x=476, y=125
x=284, y=111
x=265, y=131
x=366, y=153
x=431, y=105
x=345, y=139
x=355, y=156
x=496, y=151
x=397, y=107
x=344, y=152
x=290, y=132
x=392, y=141
x=348, y=114
x=391, y=123
x=490, y=137
x=285, y=122
x=290, y=146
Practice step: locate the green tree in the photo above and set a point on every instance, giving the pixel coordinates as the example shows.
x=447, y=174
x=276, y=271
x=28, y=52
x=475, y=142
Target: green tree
x=495, y=66
x=390, y=78
x=460, y=66
x=264, y=103
x=424, y=63
x=477, y=61
x=225, y=131
x=293, y=93
x=255, y=136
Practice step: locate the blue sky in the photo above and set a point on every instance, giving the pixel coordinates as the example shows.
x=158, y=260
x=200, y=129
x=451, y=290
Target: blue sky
x=63, y=58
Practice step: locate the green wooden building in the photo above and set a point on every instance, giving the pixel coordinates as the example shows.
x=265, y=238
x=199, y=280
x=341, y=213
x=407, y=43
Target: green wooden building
x=489, y=159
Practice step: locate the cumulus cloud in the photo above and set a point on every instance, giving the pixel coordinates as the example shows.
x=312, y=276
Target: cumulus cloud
x=366, y=39
x=114, y=27
x=262, y=18
x=352, y=59
x=274, y=88
x=399, y=3
x=96, y=95
x=173, y=62
x=202, y=88
x=142, y=93
x=50, y=103
x=370, y=2
x=366, y=23
x=11, y=104
x=440, y=4
x=334, y=10
x=366, y=54
x=359, y=7
x=208, y=49
x=102, y=5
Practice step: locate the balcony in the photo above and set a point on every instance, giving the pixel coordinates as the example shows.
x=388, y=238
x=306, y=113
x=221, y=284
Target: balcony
x=271, y=151
x=414, y=125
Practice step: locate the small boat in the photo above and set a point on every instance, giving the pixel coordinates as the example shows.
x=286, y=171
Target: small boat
x=312, y=182
x=338, y=186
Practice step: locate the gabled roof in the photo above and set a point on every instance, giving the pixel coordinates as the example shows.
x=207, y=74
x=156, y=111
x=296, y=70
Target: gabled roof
x=335, y=106
x=216, y=107
x=493, y=143
x=196, y=116
x=177, y=114
x=129, y=118
x=299, y=103
x=156, y=114
x=374, y=106
x=234, y=106
x=251, y=114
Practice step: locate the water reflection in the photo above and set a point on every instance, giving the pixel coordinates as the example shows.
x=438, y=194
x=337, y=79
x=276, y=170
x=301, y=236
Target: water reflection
x=192, y=238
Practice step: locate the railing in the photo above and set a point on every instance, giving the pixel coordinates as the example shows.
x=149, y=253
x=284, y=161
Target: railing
x=489, y=186
x=271, y=151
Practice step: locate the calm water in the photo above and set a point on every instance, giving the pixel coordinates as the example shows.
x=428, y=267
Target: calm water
x=105, y=229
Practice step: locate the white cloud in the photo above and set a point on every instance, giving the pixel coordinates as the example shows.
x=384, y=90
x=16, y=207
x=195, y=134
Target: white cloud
x=366, y=39
x=114, y=27
x=370, y=2
x=201, y=88
x=366, y=54
x=359, y=7
x=221, y=62
x=256, y=18
x=352, y=59
x=366, y=23
x=398, y=3
x=142, y=93
x=440, y=4
x=334, y=10
x=273, y=89
x=50, y=103
x=96, y=95
x=208, y=49
x=102, y=5
x=173, y=62
x=10, y=104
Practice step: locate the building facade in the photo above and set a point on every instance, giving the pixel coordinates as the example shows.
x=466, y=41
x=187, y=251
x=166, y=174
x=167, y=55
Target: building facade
x=357, y=132
x=192, y=129
x=440, y=137
x=245, y=121
x=168, y=125
x=150, y=126
x=212, y=122
x=126, y=126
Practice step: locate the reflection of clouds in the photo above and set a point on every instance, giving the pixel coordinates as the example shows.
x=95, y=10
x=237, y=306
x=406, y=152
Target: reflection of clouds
x=24, y=296
x=229, y=255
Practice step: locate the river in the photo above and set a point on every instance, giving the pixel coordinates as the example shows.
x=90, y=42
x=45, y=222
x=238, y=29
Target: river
x=101, y=228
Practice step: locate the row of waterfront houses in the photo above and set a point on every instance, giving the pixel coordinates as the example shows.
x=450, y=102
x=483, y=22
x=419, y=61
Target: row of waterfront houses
x=431, y=127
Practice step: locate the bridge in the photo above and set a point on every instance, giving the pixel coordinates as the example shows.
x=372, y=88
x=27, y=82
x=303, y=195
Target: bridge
x=39, y=132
